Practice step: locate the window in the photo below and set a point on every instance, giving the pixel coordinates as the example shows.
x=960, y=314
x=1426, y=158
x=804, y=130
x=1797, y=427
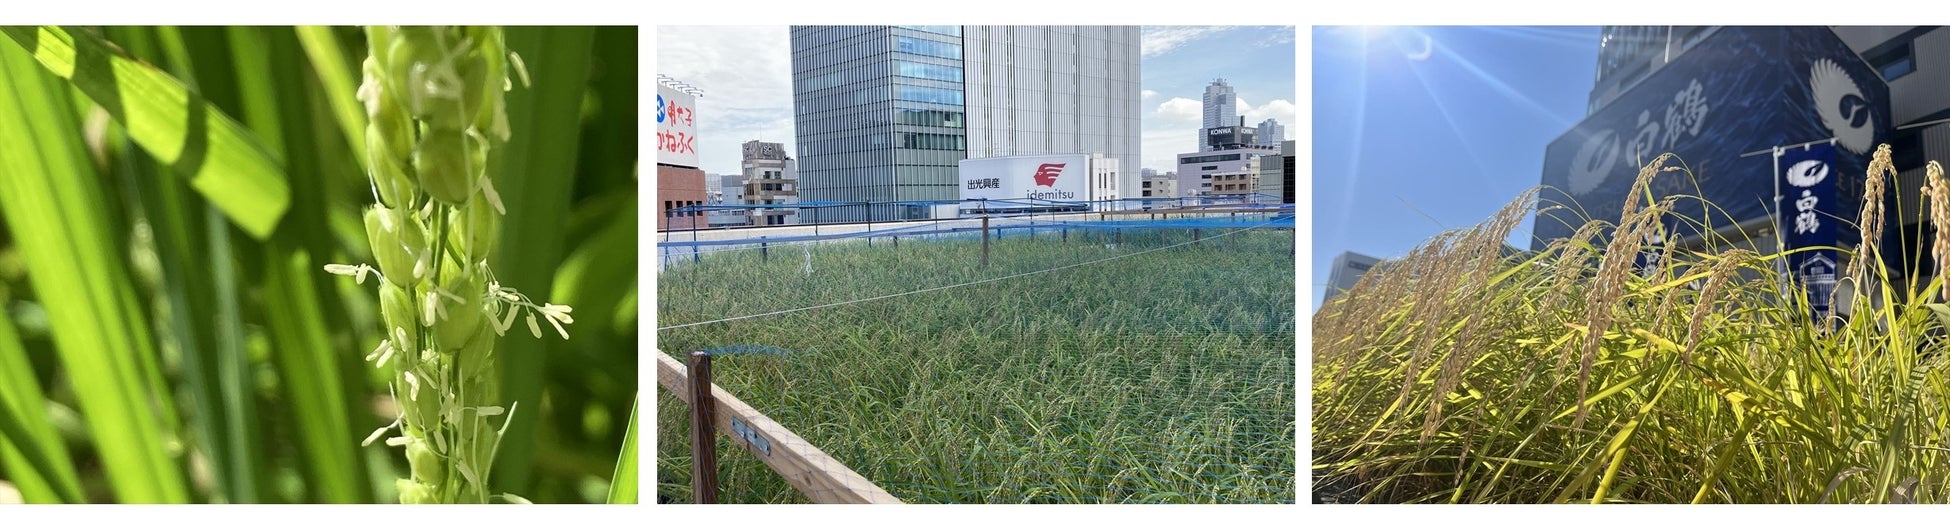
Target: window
x=928, y=71
x=1209, y=167
x=932, y=141
x=1907, y=148
x=938, y=118
x=1209, y=159
x=944, y=30
x=1896, y=62
x=924, y=94
x=929, y=48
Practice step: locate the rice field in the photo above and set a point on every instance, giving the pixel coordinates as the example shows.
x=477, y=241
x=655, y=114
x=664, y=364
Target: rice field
x=1458, y=373
x=1166, y=376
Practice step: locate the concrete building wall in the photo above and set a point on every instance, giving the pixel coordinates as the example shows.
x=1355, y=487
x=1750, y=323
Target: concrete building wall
x=1195, y=169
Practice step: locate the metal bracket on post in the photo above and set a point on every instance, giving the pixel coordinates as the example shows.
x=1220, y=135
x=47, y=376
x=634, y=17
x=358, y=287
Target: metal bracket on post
x=704, y=441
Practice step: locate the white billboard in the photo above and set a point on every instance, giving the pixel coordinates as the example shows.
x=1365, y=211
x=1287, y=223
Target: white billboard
x=1054, y=177
x=676, y=127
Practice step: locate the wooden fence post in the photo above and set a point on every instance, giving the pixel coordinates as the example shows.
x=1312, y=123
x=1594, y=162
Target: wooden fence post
x=985, y=241
x=704, y=443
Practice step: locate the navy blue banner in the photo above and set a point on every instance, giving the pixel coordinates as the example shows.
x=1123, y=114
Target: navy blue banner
x=1739, y=90
x=1810, y=218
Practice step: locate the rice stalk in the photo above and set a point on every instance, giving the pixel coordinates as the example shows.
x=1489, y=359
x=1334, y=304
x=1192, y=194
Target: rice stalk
x=1721, y=392
x=433, y=99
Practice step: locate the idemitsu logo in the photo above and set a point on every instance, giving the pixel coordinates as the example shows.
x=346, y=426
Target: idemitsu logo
x=1046, y=173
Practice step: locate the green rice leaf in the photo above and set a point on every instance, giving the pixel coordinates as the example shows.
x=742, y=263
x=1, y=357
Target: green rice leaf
x=537, y=171
x=30, y=450
x=56, y=210
x=622, y=486
x=222, y=161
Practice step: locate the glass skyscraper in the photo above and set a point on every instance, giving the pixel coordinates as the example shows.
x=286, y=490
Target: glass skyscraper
x=885, y=113
x=1221, y=105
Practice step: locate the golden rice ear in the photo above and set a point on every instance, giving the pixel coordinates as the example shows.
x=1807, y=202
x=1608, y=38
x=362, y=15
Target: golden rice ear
x=1937, y=189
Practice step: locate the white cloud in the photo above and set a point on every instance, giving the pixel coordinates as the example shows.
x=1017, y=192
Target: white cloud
x=1162, y=147
x=746, y=76
x=1179, y=109
x=1279, y=110
x=1161, y=39
x=1277, y=36
x=1147, y=94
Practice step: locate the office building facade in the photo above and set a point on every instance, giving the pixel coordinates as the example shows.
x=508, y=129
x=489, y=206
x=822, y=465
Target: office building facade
x=885, y=113
x=1159, y=186
x=770, y=178
x=1724, y=96
x=1221, y=105
x=1276, y=174
x=1269, y=133
x=1196, y=169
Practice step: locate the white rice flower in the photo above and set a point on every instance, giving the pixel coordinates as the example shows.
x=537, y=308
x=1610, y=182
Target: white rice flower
x=358, y=273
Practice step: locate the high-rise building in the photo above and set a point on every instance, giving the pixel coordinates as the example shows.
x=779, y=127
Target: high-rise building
x=885, y=113
x=1715, y=96
x=1270, y=133
x=1347, y=269
x=1221, y=105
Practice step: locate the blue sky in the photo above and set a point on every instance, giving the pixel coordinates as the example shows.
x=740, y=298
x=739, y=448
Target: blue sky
x=746, y=75
x=1417, y=130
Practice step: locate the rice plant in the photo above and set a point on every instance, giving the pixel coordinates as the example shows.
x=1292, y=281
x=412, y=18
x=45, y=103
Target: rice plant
x=1163, y=376
x=433, y=100
x=1460, y=373
x=167, y=329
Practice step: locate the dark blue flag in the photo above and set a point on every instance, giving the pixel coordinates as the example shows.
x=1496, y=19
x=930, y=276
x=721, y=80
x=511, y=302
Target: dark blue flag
x=1810, y=218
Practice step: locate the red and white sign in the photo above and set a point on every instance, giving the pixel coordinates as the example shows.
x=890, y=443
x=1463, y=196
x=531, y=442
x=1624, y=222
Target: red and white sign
x=676, y=127
x=1052, y=177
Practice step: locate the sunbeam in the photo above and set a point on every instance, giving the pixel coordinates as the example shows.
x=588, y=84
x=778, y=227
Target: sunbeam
x=1449, y=117
x=1503, y=88
x=1359, y=130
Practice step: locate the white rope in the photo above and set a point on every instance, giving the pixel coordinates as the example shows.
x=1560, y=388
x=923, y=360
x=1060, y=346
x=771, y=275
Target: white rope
x=952, y=286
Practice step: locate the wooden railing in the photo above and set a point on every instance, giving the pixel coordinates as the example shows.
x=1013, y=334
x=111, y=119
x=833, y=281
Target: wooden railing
x=819, y=476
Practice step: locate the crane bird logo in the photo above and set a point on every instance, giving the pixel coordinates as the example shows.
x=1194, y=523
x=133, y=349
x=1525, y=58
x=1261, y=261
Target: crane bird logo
x=1807, y=173
x=1842, y=107
x=1593, y=162
x=1046, y=174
